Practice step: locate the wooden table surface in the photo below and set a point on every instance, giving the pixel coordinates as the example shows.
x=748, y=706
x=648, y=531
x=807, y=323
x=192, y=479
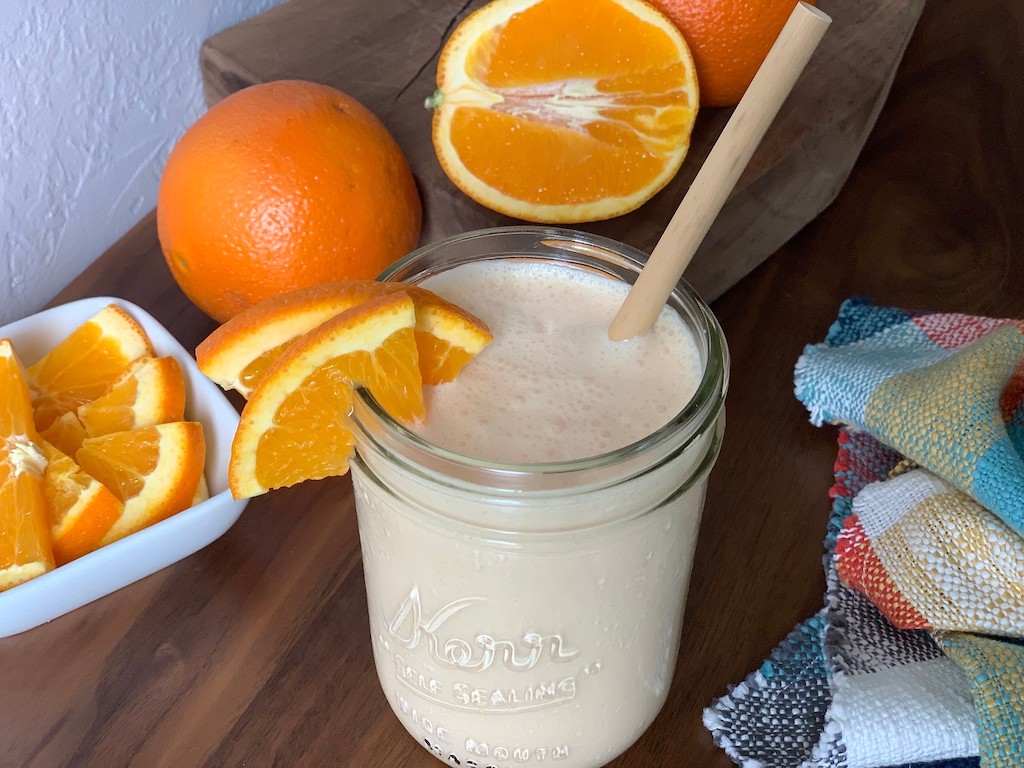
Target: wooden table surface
x=255, y=651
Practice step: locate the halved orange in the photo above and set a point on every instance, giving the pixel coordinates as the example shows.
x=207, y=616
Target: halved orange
x=238, y=354
x=151, y=391
x=562, y=111
x=84, y=365
x=296, y=425
x=154, y=471
x=25, y=548
x=82, y=509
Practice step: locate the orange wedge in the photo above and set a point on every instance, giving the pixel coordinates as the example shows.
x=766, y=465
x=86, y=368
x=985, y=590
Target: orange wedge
x=25, y=548
x=151, y=391
x=238, y=354
x=155, y=471
x=447, y=336
x=562, y=111
x=296, y=425
x=202, y=492
x=81, y=508
x=84, y=365
x=66, y=433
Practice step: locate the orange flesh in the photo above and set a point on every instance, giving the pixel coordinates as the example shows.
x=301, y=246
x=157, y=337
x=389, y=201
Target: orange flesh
x=25, y=547
x=601, y=96
x=123, y=465
x=254, y=371
x=23, y=520
x=281, y=460
x=65, y=434
x=65, y=484
x=311, y=437
x=116, y=410
x=592, y=162
x=78, y=370
x=605, y=41
x=439, y=360
x=311, y=307
x=129, y=462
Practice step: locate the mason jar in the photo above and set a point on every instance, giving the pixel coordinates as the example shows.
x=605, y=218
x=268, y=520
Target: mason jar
x=530, y=614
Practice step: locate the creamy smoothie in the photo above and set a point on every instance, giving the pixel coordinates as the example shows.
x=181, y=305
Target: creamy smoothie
x=525, y=615
x=552, y=386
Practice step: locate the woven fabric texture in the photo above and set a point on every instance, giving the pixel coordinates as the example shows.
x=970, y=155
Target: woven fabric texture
x=942, y=389
x=929, y=556
x=924, y=552
x=995, y=672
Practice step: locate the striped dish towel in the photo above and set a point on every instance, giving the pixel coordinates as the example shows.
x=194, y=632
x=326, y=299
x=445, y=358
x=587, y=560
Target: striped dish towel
x=919, y=641
x=846, y=689
x=945, y=390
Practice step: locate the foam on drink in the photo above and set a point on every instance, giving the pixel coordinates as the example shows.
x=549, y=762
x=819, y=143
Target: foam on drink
x=552, y=386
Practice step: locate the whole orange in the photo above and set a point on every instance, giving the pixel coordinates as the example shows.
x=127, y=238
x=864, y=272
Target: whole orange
x=281, y=186
x=728, y=39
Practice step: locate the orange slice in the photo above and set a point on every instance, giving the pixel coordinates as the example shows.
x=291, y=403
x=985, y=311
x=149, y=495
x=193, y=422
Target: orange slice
x=296, y=425
x=81, y=508
x=151, y=391
x=84, y=365
x=154, y=471
x=202, y=492
x=239, y=353
x=447, y=336
x=65, y=434
x=552, y=113
x=25, y=548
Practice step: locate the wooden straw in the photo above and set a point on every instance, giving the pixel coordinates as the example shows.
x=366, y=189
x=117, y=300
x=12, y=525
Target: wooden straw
x=720, y=172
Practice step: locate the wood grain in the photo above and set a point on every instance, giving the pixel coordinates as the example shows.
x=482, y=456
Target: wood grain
x=255, y=651
x=385, y=55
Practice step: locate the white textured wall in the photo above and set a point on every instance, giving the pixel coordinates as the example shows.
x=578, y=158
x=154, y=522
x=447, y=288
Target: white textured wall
x=93, y=95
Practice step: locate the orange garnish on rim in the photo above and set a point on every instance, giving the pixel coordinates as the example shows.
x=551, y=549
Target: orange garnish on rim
x=238, y=354
x=296, y=424
x=562, y=111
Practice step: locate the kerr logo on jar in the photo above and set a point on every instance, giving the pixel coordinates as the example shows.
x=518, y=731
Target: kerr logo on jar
x=411, y=629
x=429, y=644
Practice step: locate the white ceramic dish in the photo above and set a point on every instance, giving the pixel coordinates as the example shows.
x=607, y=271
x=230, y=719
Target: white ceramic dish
x=133, y=557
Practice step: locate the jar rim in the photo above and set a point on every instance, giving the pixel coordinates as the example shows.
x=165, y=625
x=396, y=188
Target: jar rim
x=584, y=250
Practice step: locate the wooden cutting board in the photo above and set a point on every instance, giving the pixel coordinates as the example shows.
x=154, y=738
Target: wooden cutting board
x=385, y=55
